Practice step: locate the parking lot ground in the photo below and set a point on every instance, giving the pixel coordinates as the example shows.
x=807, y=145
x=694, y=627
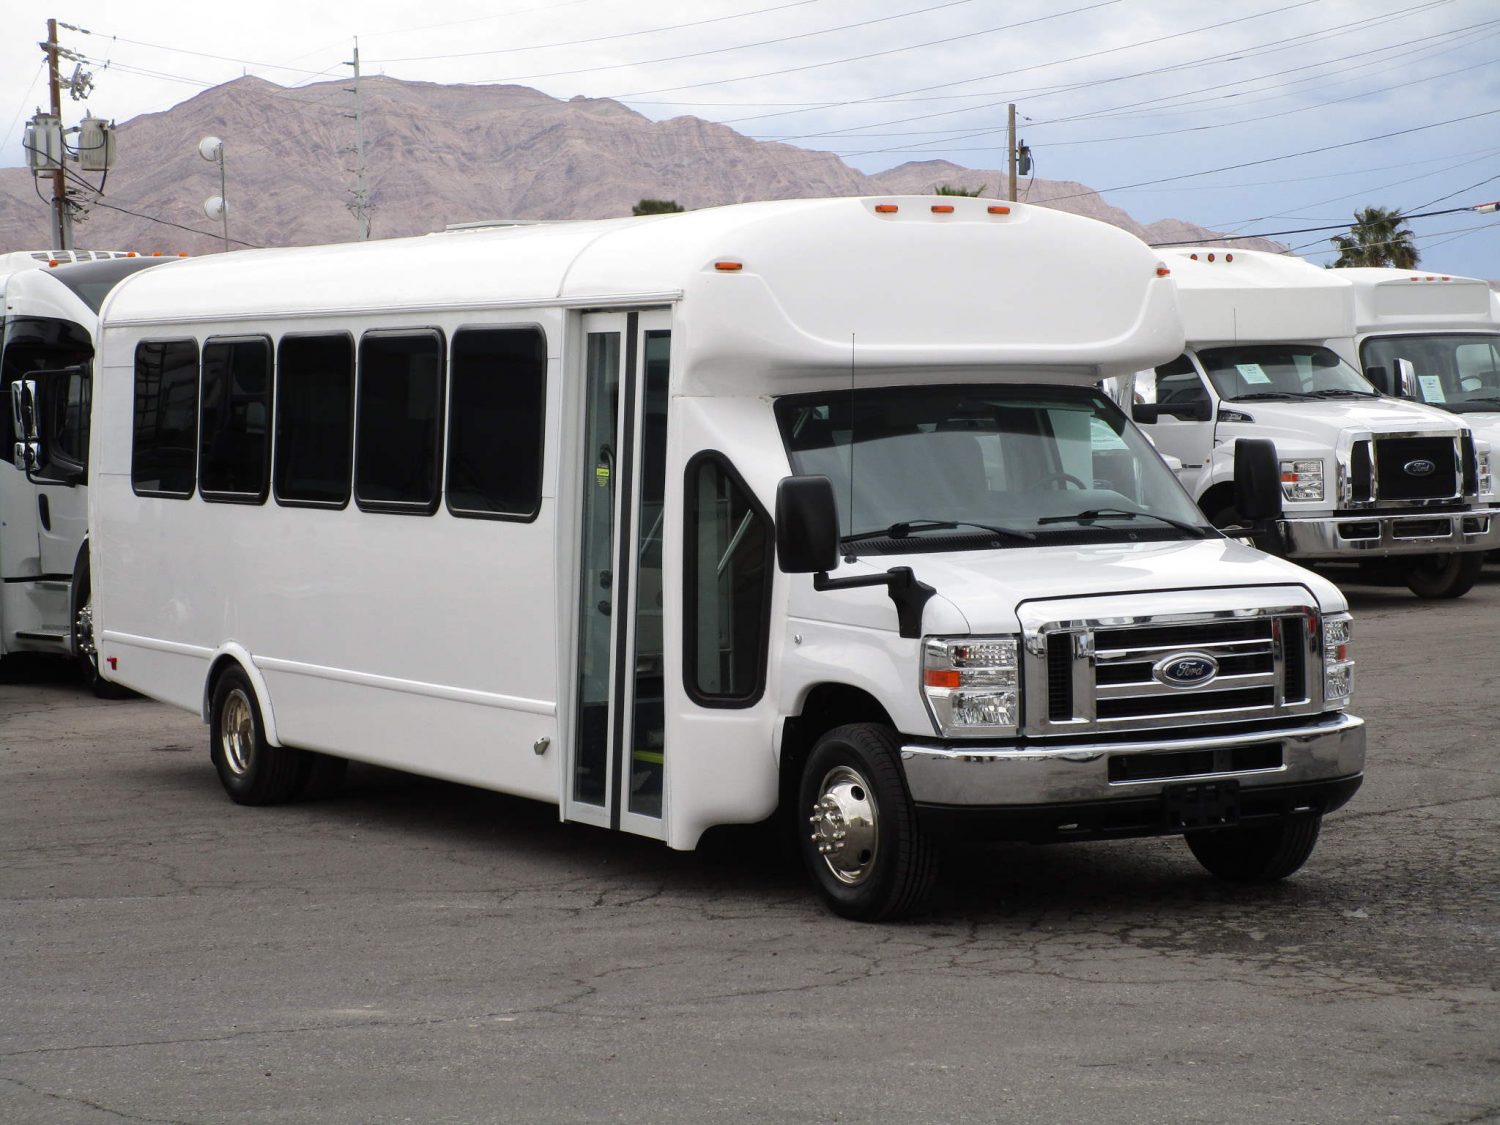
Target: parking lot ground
x=413, y=951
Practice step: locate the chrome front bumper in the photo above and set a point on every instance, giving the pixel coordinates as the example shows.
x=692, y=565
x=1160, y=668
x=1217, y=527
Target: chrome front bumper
x=1382, y=534
x=964, y=776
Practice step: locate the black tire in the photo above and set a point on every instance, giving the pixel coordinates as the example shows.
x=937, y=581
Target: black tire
x=1258, y=853
x=252, y=771
x=857, y=828
x=1445, y=576
x=321, y=775
x=81, y=638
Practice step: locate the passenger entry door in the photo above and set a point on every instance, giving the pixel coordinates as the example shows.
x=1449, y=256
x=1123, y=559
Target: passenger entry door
x=617, y=759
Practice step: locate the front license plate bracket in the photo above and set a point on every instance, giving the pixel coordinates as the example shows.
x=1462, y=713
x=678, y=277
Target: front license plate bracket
x=1201, y=804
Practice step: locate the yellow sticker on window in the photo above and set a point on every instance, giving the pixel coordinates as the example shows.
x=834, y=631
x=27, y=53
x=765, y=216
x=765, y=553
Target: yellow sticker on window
x=601, y=475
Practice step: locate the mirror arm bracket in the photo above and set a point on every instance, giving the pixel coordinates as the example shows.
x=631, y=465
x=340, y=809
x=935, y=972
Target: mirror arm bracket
x=909, y=594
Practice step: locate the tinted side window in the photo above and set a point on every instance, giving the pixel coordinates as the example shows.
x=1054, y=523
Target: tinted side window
x=398, y=421
x=495, y=422
x=163, y=457
x=235, y=453
x=314, y=420
x=727, y=575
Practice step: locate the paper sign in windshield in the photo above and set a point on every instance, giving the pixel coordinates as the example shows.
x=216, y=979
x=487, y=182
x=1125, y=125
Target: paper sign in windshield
x=1252, y=373
x=1432, y=388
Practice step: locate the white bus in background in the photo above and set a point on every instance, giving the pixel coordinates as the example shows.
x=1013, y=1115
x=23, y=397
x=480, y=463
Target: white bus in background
x=1391, y=484
x=46, y=352
x=509, y=522
x=1433, y=338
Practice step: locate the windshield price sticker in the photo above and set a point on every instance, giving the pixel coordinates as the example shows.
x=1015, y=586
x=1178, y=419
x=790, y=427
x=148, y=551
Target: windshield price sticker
x=1252, y=373
x=1432, y=388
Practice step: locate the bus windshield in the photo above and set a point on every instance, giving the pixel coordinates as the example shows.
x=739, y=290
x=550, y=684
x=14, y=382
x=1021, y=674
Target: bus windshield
x=984, y=464
x=1451, y=370
x=1251, y=371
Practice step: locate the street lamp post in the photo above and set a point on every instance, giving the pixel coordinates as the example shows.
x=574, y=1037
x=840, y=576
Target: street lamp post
x=216, y=206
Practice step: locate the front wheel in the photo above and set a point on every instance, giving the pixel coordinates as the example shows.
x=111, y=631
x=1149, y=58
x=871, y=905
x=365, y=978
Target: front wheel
x=1445, y=576
x=1257, y=853
x=83, y=642
x=252, y=771
x=860, y=841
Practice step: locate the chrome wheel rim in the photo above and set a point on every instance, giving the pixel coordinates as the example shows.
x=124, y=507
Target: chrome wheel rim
x=845, y=825
x=237, y=732
x=83, y=630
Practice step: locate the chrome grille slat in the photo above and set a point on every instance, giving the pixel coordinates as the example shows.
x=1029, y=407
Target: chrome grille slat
x=1150, y=689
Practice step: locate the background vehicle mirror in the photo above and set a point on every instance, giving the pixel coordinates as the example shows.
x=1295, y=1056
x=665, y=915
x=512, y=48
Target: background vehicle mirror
x=1381, y=377
x=1257, y=480
x=807, y=525
x=1147, y=412
x=1406, y=378
x=1197, y=411
x=28, y=451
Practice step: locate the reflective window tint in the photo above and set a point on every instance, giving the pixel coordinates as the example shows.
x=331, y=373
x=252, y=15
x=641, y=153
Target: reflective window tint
x=398, y=421
x=314, y=420
x=495, y=421
x=235, y=457
x=163, y=456
x=727, y=575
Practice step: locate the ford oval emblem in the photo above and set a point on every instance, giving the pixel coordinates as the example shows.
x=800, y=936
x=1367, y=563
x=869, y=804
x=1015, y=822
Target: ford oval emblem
x=1186, y=669
x=1421, y=467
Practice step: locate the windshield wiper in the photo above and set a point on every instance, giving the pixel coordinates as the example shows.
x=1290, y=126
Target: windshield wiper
x=1342, y=392
x=1125, y=514
x=909, y=527
x=1268, y=394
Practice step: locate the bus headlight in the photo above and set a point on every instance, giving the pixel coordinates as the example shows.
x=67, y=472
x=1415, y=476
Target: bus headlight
x=972, y=685
x=1302, y=480
x=1338, y=662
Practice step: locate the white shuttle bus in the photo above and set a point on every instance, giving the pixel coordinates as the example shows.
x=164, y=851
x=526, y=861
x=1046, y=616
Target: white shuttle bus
x=1396, y=486
x=51, y=310
x=677, y=521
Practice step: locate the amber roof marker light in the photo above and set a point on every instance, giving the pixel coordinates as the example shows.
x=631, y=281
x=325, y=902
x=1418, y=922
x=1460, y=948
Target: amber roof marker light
x=998, y=210
x=886, y=208
x=729, y=266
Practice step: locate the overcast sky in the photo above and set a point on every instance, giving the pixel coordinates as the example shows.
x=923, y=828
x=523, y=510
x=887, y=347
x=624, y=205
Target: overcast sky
x=1255, y=116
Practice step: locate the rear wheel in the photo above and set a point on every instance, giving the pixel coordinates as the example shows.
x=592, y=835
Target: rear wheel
x=860, y=841
x=1257, y=853
x=252, y=771
x=1445, y=576
x=82, y=642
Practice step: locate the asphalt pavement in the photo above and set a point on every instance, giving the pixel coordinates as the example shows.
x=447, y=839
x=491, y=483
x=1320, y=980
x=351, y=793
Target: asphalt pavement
x=414, y=951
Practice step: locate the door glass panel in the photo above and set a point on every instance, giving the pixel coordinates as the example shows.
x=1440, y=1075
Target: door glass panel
x=596, y=585
x=647, y=747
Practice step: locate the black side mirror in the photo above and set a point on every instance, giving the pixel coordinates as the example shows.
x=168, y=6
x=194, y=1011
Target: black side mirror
x=807, y=525
x=1381, y=377
x=1146, y=412
x=1257, y=480
x=1199, y=410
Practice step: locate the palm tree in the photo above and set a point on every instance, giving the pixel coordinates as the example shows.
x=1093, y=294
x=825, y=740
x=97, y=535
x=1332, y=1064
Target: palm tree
x=1379, y=237
x=954, y=189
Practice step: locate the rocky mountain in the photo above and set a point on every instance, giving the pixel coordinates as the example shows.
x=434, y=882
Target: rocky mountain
x=438, y=155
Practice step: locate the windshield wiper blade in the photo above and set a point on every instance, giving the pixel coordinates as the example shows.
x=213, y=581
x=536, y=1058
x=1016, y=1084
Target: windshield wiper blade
x=1125, y=514
x=908, y=527
x=1268, y=395
x=1342, y=392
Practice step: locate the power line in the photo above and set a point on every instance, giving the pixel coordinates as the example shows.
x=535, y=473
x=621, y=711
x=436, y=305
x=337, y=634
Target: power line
x=169, y=223
x=1312, y=230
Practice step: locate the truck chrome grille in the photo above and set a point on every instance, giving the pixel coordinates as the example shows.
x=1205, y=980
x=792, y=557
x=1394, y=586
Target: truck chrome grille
x=1121, y=673
x=1394, y=458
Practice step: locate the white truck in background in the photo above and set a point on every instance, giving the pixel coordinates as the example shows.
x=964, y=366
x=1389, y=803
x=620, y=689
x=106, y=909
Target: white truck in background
x=51, y=302
x=1366, y=478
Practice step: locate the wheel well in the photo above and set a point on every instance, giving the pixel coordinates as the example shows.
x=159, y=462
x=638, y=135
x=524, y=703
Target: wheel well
x=827, y=706
x=1217, y=498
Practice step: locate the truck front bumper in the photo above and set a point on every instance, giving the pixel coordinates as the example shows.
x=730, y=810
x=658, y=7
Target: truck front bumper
x=1381, y=535
x=1131, y=788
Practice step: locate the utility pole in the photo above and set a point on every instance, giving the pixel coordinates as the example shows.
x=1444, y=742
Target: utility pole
x=1010, y=152
x=62, y=218
x=361, y=204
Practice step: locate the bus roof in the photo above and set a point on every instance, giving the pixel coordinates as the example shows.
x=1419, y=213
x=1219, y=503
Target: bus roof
x=1395, y=300
x=1240, y=296
x=795, y=283
x=72, y=292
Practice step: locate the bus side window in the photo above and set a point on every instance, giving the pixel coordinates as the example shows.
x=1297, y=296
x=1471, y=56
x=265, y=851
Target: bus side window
x=314, y=420
x=729, y=562
x=235, y=453
x=398, y=422
x=163, y=459
x=496, y=422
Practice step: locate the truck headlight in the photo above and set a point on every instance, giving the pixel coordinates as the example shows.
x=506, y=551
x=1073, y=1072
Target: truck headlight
x=1302, y=480
x=972, y=685
x=1338, y=663
x=1486, y=477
